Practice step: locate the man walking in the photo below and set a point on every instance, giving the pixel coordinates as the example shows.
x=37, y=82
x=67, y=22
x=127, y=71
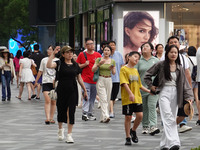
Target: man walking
x=86, y=61
x=37, y=56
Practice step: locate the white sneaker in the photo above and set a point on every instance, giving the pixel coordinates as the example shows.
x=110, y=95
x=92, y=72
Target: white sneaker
x=69, y=138
x=145, y=130
x=184, y=128
x=61, y=134
x=154, y=131
x=92, y=118
x=133, y=119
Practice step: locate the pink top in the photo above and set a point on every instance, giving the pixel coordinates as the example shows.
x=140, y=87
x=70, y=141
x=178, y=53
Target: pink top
x=16, y=63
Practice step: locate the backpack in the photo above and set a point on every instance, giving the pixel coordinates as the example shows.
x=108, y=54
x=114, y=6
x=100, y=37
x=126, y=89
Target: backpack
x=194, y=70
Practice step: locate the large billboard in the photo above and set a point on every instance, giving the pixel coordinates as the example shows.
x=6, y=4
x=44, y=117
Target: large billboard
x=140, y=27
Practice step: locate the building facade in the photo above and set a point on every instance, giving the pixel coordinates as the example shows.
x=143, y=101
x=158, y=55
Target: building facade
x=104, y=20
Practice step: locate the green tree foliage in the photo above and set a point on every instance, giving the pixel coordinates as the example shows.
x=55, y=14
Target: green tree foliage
x=14, y=18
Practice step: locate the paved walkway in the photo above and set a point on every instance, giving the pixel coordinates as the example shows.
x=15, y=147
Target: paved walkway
x=22, y=127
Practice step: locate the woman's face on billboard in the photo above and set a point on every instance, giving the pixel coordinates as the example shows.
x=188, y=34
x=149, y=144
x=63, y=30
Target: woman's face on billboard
x=140, y=33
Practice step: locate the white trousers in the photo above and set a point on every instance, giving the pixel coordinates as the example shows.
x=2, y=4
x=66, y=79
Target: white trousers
x=168, y=110
x=104, y=87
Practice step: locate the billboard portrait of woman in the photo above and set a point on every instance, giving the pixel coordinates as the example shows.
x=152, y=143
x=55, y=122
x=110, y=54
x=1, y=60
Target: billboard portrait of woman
x=139, y=28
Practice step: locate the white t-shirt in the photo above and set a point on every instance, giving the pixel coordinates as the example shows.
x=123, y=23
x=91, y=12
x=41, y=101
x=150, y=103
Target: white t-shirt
x=48, y=75
x=194, y=60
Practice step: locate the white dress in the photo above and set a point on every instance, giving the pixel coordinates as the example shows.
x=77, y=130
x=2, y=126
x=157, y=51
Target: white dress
x=26, y=74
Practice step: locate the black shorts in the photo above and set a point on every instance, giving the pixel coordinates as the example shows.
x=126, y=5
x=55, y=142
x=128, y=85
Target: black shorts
x=129, y=109
x=47, y=87
x=181, y=112
x=115, y=91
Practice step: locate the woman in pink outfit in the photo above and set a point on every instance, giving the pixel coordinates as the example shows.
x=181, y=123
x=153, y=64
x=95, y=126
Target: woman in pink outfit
x=16, y=63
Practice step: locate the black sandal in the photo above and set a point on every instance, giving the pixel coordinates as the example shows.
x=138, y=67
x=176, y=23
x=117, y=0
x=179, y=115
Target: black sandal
x=19, y=98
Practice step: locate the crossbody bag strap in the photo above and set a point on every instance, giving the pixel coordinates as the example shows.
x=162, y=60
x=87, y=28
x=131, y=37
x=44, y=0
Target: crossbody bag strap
x=183, y=61
x=191, y=60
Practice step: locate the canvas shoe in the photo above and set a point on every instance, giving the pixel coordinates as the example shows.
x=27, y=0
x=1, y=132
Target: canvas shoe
x=85, y=117
x=145, y=130
x=128, y=141
x=69, y=138
x=112, y=115
x=184, y=128
x=133, y=136
x=61, y=134
x=154, y=131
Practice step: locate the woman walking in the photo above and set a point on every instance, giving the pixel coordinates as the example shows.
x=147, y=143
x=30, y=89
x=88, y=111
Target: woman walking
x=106, y=66
x=16, y=63
x=67, y=91
x=7, y=67
x=173, y=87
x=25, y=74
x=48, y=77
x=149, y=121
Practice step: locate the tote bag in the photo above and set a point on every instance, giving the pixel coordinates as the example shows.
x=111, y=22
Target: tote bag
x=96, y=74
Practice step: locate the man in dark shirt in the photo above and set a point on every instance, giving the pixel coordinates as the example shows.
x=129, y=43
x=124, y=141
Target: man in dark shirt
x=37, y=56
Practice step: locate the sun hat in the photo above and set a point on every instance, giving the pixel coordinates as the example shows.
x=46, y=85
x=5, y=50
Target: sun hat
x=66, y=49
x=189, y=110
x=5, y=51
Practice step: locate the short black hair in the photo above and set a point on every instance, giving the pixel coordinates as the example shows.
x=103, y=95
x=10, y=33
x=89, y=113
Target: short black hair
x=26, y=54
x=88, y=39
x=36, y=47
x=151, y=45
x=112, y=42
x=134, y=52
x=192, y=51
x=158, y=45
x=172, y=37
x=104, y=43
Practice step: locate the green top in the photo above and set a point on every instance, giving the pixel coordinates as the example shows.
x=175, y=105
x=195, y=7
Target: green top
x=142, y=66
x=105, y=68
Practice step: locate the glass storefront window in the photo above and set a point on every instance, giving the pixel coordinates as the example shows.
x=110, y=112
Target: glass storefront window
x=185, y=17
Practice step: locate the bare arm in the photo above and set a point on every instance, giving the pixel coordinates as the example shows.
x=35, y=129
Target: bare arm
x=84, y=65
x=20, y=70
x=50, y=63
x=37, y=78
x=131, y=95
x=145, y=89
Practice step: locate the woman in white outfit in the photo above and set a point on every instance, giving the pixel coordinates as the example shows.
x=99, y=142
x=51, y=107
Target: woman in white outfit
x=25, y=74
x=106, y=66
x=173, y=87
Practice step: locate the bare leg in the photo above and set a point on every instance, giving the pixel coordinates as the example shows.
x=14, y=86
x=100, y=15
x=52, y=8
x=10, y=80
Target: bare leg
x=127, y=125
x=138, y=119
x=29, y=89
x=38, y=90
x=21, y=87
x=17, y=74
x=47, y=105
x=179, y=119
x=70, y=126
x=53, y=109
x=60, y=125
x=33, y=89
x=112, y=102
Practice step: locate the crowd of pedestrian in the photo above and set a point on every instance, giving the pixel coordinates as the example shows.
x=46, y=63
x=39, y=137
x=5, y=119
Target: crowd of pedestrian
x=148, y=83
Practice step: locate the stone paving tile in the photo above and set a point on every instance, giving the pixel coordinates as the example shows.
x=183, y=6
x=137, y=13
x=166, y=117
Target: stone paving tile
x=22, y=127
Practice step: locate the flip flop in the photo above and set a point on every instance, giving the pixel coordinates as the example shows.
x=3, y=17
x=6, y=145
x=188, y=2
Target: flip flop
x=19, y=98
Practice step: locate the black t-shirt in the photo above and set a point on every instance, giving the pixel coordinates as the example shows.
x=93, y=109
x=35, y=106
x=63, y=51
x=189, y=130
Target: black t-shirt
x=37, y=57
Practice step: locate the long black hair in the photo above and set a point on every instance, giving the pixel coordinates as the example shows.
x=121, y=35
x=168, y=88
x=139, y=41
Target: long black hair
x=167, y=62
x=8, y=59
x=19, y=54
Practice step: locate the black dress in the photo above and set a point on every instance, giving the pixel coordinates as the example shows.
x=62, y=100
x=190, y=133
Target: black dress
x=67, y=91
